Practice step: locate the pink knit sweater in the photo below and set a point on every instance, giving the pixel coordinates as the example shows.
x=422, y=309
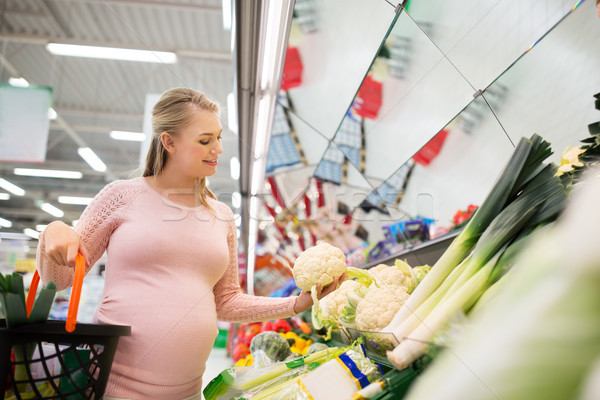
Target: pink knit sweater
x=171, y=272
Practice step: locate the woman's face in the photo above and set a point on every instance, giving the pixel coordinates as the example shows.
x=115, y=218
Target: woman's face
x=198, y=146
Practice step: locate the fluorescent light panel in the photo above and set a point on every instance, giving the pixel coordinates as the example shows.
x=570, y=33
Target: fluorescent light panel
x=129, y=136
x=19, y=82
x=92, y=159
x=40, y=228
x=52, y=210
x=231, y=113
x=31, y=233
x=112, y=53
x=227, y=15
x=234, y=168
x=270, y=43
x=14, y=189
x=5, y=223
x=4, y=196
x=52, y=114
x=236, y=200
x=48, y=173
x=14, y=236
x=83, y=201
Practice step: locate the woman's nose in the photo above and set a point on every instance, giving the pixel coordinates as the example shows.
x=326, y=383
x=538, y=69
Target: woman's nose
x=218, y=149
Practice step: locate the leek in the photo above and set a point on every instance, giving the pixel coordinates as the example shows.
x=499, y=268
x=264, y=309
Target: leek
x=320, y=357
x=12, y=299
x=538, y=201
x=463, y=298
x=522, y=167
x=413, y=320
x=540, y=335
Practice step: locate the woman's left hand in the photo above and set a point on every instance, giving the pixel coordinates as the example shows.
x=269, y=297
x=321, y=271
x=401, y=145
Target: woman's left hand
x=304, y=300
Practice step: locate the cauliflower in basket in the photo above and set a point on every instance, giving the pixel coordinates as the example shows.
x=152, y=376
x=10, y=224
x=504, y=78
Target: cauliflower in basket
x=379, y=306
x=318, y=264
x=333, y=305
x=399, y=274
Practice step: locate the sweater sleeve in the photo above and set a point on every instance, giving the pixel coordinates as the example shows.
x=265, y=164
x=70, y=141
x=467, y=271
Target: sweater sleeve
x=235, y=306
x=96, y=224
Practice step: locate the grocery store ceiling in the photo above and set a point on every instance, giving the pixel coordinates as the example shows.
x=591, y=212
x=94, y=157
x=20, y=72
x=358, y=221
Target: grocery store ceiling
x=92, y=97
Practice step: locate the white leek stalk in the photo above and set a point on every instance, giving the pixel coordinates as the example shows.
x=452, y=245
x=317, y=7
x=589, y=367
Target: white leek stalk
x=540, y=335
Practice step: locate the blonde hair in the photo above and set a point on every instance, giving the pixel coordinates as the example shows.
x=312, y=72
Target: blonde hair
x=172, y=113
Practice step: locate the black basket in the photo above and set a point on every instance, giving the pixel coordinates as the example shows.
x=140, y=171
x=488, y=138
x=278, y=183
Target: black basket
x=65, y=365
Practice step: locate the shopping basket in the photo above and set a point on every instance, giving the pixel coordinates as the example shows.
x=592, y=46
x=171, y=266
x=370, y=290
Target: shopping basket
x=59, y=360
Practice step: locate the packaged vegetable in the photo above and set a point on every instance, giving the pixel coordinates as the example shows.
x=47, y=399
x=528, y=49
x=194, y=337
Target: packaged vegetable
x=269, y=347
x=338, y=378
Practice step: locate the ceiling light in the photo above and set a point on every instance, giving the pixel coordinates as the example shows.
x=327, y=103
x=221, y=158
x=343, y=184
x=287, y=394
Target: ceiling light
x=31, y=233
x=83, y=201
x=112, y=53
x=14, y=189
x=5, y=223
x=231, y=114
x=19, y=82
x=92, y=159
x=40, y=228
x=234, y=168
x=271, y=44
x=129, y=136
x=14, y=236
x=48, y=173
x=4, y=196
x=52, y=210
x=236, y=199
x=52, y=114
x=227, y=15
x=257, y=175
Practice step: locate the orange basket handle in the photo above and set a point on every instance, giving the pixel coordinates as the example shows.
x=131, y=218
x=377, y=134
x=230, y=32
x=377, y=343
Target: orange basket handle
x=75, y=293
x=32, y=289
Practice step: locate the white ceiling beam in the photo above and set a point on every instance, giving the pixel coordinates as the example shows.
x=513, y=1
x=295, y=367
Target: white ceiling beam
x=42, y=40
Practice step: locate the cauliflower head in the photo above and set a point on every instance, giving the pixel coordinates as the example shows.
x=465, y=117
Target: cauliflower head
x=394, y=275
x=379, y=306
x=333, y=304
x=318, y=264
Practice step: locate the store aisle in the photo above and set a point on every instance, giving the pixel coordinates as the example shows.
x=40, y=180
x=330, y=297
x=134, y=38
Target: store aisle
x=216, y=363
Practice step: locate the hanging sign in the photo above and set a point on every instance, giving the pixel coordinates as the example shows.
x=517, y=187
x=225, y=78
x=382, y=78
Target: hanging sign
x=24, y=123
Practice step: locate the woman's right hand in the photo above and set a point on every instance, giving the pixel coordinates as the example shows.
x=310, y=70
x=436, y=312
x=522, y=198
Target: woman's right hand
x=62, y=244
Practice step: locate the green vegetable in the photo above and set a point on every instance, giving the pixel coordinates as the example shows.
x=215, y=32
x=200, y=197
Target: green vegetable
x=320, y=357
x=316, y=347
x=353, y=297
x=292, y=388
x=534, y=195
x=268, y=347
x=421, y=271
x=328, y=311
x=464, y=242
x=360, y=275
x=12, y=299
x=539, y=337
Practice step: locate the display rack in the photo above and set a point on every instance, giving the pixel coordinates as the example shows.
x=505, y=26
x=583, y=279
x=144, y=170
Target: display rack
x=420, y=254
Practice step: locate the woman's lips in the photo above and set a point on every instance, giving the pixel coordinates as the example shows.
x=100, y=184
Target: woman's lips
x=211, y=162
